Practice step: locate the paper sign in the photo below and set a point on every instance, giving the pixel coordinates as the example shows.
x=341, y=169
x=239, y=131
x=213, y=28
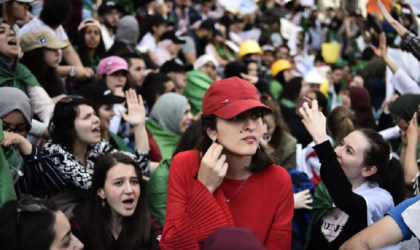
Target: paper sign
x=415, y=5
x=245, y=7
x=309, y=3
x=372, y=7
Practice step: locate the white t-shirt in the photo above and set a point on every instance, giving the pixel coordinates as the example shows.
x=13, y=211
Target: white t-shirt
x=108, y=40
x=36, y=24
x=378, y=201
x=149, y=42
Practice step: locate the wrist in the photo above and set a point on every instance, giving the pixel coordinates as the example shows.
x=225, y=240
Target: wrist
x=320, y=139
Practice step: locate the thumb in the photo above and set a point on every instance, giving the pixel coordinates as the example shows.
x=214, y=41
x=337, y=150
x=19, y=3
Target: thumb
x=123, y=115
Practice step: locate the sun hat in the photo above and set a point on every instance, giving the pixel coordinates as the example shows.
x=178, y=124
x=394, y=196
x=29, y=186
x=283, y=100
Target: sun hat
x=35, y=39
x=230, y=97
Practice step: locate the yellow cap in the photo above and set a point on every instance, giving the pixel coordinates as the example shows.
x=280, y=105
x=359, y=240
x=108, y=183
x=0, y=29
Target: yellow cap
x=35, y=39
x=279, y=66
x=324, y=87
x=249, y=47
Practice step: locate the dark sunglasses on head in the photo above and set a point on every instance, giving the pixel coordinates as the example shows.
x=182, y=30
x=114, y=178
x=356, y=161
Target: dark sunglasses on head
x=25, y=204
x=70, y=98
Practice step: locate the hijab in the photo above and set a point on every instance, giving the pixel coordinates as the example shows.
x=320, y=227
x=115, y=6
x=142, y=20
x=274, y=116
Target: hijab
x=405, y=106
x=168, y=111
x=128, y=31
x=13, y=73
x=12, y=99
x=360, y=104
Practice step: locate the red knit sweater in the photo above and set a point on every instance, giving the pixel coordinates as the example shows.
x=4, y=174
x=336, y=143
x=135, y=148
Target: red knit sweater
x=264, y=204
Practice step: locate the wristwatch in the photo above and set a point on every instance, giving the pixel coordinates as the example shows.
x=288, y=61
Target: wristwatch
x=72, y=72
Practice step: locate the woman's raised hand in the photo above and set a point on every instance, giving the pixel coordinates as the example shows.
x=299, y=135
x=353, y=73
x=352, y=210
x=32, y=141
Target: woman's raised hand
x=136, y=115
x=213, y=167
x=314, y=121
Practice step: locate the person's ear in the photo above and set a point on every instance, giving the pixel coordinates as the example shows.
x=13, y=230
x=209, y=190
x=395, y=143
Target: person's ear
x=212, y=134
x=101, y=193
x=369, y=171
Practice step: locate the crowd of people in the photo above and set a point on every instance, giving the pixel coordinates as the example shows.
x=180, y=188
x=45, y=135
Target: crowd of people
x=179, y=124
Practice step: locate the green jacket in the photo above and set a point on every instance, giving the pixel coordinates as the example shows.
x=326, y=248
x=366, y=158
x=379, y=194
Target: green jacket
x=157, y=190
x=120, y=143
x=285, y=155
x=275, y=89
x=7, y=189
x=166, y=141
x=197, y=85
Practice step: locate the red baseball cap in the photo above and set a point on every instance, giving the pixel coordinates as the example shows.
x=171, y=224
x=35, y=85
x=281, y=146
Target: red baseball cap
x=230, y=97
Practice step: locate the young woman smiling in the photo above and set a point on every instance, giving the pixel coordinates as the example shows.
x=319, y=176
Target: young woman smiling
x=360, y=182
x=229, y=180
x=75, y=135
x=117, y=217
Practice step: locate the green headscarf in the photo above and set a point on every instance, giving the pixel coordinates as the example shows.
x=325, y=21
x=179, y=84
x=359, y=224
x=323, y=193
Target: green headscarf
x=197, y=85
x=22, y=76
x=7, y=190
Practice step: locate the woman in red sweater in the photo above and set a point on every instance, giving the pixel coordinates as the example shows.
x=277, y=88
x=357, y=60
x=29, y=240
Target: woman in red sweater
x=230, y=180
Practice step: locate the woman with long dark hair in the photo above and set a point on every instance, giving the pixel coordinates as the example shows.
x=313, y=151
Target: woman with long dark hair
x=32, y=223
x=75, y=135
x=229, y=179
x=360, y=182
x=90, y=45
x=117, y=216
x=42, y=57
x=282, y=73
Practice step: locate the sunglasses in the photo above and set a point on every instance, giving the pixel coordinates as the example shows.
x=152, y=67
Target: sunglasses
x=26, y=204
x=70, y=98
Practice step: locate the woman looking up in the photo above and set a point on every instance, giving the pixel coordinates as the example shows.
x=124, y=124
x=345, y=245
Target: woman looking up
x=360, y=182
x=229, y=180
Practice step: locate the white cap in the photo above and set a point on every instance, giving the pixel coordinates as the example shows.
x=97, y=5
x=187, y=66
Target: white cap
x=202, y=60
x=313, y=77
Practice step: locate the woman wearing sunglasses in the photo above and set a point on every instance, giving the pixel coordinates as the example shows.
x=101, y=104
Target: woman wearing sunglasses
x=32, y=223
x=76, y=137
x=32, y=169
x=229, y=180
x=117, y=216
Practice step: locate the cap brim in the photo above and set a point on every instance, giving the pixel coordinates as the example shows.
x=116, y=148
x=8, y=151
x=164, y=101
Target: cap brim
x=57, y=45
x=117, y=69
x=112, y=99
x=235, y=108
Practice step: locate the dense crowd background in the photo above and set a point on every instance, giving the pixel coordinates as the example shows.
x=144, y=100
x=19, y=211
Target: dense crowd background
x=183, y=124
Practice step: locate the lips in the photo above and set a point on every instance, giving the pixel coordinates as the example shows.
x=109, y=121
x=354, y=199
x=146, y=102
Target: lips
x=12, y=42
x=250, y=139
x=128, y=203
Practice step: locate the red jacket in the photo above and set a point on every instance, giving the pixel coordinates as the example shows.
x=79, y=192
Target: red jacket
x=264, y=204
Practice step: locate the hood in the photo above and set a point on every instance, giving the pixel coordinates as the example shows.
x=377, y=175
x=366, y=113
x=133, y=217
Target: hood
x=128, y=31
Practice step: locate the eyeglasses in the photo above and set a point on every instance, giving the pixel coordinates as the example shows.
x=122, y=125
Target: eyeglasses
x=26, y=204
x=70, y=98
x=16, y=130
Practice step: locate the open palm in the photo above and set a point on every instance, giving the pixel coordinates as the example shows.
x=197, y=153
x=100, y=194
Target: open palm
x=381, y=51
x=136, y=114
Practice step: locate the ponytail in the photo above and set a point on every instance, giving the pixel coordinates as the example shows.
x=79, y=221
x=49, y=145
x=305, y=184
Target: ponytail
x=390, y=173
x=391, y=179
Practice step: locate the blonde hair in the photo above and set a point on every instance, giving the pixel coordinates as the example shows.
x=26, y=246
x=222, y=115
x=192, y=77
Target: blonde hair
x=341, y=122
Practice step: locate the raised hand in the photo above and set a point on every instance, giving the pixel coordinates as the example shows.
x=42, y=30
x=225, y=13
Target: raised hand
x=413, y=132
x=302, y=200
x=381, y=51
x=388, y=18
x=13, y=139
x=136, y=115
x=314, y=121
x=213, y=167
